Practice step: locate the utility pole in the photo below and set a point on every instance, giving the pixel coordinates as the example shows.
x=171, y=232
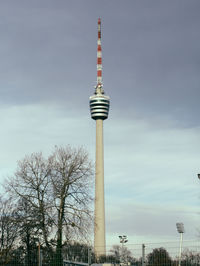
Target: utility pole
x=39, y=255
x=89, y=256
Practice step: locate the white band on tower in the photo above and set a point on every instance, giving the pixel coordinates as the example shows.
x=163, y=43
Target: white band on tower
x=99, y=55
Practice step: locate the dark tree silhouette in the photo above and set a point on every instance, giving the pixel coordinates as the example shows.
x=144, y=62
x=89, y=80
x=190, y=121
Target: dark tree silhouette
x=55, y=196
x=159, y=257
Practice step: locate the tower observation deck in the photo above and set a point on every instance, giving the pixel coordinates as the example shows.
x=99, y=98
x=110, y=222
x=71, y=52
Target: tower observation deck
x=99, y=108
x=99, y=104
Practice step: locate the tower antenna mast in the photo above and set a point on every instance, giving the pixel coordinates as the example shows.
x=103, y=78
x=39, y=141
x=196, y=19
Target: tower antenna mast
x=99, y=56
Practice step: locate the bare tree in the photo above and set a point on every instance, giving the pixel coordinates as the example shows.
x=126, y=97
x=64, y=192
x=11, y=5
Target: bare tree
x=70, y=180
x=30, y=185
x=116, y=251
x=29, y=229
x=190, y=258
x=121, y=253
x=57, y=189
x=8, y=228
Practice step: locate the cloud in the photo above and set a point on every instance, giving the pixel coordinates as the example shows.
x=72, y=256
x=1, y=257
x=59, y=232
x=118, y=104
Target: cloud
x=33, y=128
x=150, y=223
x=150, y=220
x=151, y=73
x=151, y=179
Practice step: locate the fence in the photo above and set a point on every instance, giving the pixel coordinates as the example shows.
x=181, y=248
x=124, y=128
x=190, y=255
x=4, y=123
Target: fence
x=148, y=254
x=161, y=254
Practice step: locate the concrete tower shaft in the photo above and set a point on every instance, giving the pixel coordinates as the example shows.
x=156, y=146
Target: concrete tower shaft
x=99, y=212
x=99, y=108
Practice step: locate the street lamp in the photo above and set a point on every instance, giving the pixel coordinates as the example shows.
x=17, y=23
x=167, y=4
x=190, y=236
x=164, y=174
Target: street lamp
x=180, y=229
x=123, y=239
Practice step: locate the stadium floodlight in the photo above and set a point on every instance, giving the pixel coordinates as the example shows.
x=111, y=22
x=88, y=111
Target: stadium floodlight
x=123, y=239
x=181, y=230
x=180, y=227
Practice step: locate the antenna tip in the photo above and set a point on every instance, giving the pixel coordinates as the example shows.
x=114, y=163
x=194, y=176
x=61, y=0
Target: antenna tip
x=99, y=21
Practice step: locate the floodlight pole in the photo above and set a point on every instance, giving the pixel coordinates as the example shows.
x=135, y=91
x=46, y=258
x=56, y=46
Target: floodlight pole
x=143, y=254
x=123, y=239
x=180, y=249
x=181, y=230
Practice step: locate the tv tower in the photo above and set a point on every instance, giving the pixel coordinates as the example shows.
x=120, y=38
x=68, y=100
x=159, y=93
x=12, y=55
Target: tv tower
x=99, y=107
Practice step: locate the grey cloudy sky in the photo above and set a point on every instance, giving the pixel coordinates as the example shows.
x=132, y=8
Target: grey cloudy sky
x=151, y=65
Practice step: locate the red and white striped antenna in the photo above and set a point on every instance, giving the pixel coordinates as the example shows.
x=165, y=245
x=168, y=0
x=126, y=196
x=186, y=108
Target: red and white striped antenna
x=99, y=56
